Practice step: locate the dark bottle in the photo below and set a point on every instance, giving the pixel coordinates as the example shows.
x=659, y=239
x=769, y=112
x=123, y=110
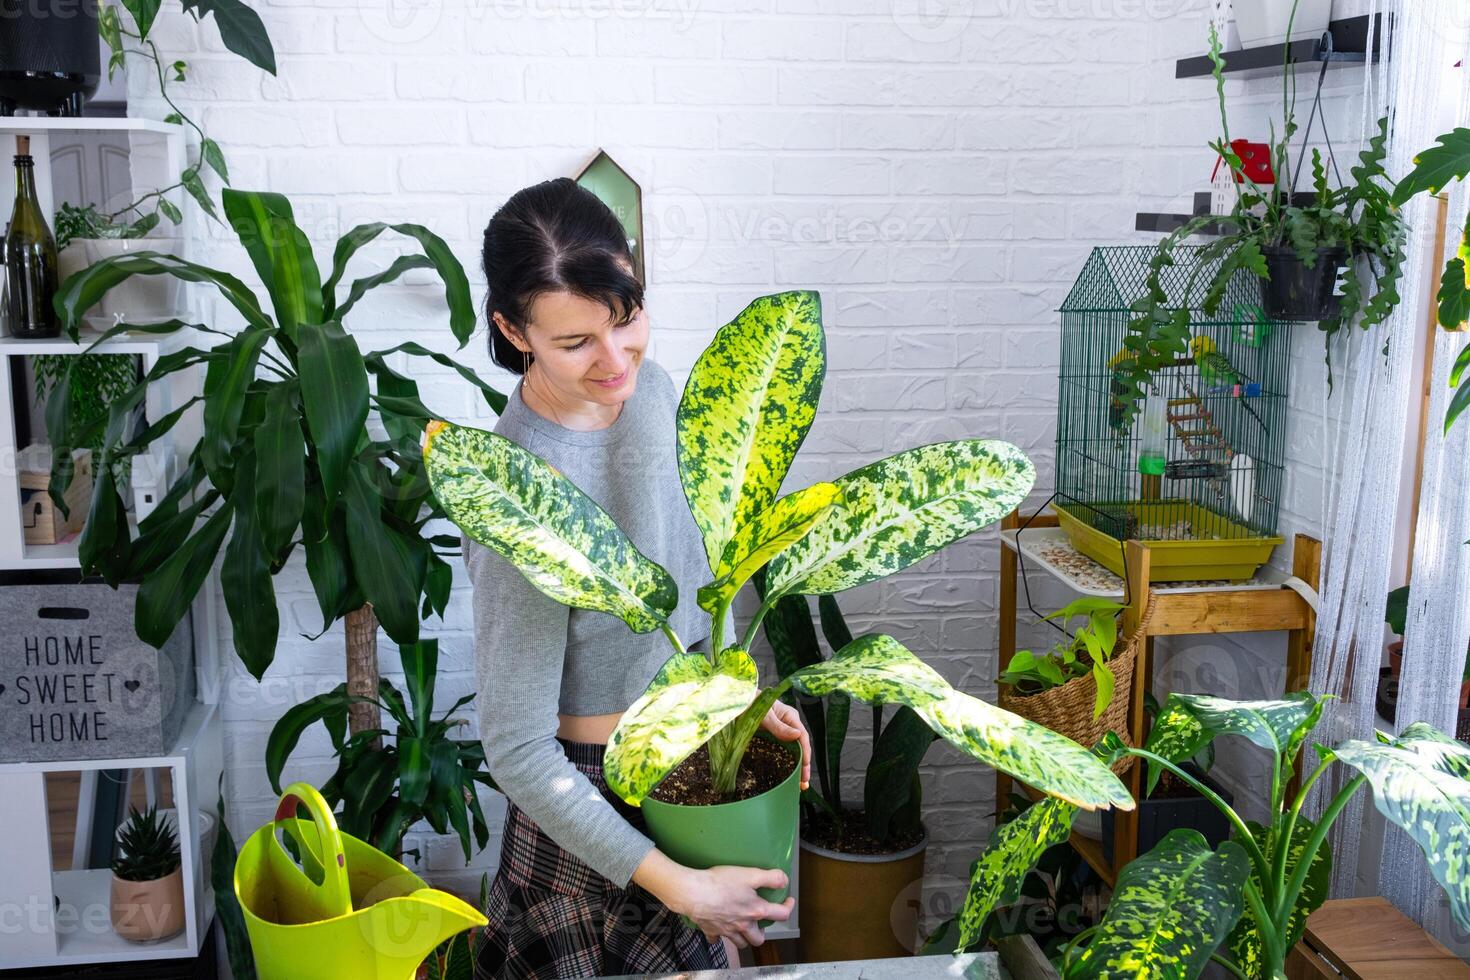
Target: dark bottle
x=30, y=256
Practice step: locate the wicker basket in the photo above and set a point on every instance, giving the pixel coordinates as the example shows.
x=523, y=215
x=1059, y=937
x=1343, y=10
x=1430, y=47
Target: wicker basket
x=1069, y=709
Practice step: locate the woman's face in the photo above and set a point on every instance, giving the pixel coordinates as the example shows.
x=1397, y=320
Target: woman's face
x=580, y=349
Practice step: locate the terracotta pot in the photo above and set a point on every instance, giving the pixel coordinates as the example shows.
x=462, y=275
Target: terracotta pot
x=147, y=911
x=1396, y=666
x=860, y=906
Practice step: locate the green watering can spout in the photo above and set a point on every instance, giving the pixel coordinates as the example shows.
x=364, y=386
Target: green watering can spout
x=348, y=909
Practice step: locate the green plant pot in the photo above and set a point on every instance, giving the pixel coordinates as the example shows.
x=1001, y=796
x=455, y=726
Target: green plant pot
x=756, y=833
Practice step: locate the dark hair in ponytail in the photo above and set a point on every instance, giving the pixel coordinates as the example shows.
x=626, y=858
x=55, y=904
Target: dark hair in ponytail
x=549, y=237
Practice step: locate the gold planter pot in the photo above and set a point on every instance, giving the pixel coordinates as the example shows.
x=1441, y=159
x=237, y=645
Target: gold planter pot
x=147, y=911
x=860, y=906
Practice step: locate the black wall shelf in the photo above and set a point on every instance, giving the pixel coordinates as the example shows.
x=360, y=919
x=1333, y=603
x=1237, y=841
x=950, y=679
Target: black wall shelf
x=1346, y=42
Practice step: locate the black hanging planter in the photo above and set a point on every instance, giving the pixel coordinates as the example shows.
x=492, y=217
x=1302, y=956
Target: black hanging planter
x=1297, y=292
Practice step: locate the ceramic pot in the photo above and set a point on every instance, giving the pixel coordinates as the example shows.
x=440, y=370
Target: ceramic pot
x=148, y=911
x=137, y=299
x=860, y=906
x=759, y=832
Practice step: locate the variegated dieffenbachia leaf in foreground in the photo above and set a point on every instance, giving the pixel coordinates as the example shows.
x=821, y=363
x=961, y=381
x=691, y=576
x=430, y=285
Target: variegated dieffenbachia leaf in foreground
x=747, y=406
x=1013, y=850
x=519, y=506
x=902, y=509
x=1246, y=948
x=1170, y=910
x=1416, y=785
x=686, y=703
x=879, y=670
x=768, y=533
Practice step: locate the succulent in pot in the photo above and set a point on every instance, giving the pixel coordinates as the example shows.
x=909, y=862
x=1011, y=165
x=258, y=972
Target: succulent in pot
x=147, y=898
x=745, y=411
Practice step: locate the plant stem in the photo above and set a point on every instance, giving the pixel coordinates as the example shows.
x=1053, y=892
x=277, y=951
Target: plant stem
x=1243, y=832
x=1072, y=943
x=1288, y=828
x=1230, y=967
x=1314, y=843
x=673, y=638
x=1265, y=923
x=766, y=606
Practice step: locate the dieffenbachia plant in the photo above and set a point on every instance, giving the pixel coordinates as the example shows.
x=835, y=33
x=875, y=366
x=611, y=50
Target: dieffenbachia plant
x=1245, y=903
x=746, y=409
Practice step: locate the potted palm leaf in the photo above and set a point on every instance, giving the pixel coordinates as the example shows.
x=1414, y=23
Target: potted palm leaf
x=685, y=749
x=1244, y=903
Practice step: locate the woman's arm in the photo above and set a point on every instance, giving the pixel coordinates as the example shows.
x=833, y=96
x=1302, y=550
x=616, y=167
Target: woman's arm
x=520, y=648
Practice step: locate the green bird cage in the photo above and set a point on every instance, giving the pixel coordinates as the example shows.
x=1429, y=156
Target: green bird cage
x=1197, y=473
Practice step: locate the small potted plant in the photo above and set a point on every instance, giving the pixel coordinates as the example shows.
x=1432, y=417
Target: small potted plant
x=147, y=901
x=1396, y=614
x=86, y=235
x=686, y=751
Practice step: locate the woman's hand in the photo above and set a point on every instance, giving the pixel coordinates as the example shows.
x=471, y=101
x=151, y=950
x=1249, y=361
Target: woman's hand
x=723, y=902
x=784, y=722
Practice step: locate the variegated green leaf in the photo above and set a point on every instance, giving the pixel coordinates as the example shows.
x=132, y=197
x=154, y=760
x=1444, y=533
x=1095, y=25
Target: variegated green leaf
x=767, y=534
x=1169, y=912
x=516, y=504
x=746, y=409
x=879, y=670
x=1277, y=726
x=1014, y=849
x=1415, y=786
x=902, y=509
x=738, y=664
x=1177, y=735
x=1035, y=755
x=1436, y=749
x=684, y=706
x=1246, y=948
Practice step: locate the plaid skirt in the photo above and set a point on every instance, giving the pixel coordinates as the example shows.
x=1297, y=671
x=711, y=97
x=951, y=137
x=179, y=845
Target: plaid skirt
x=552, y=916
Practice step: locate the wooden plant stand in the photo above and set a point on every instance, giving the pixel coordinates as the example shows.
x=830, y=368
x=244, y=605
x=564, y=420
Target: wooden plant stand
x=1369, y=939
x=1172, y=614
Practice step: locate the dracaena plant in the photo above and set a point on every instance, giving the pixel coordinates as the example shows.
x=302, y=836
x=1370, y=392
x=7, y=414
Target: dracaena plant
x=286, y=457
x=419, y=772
x=1244, y=904
x=747, y=407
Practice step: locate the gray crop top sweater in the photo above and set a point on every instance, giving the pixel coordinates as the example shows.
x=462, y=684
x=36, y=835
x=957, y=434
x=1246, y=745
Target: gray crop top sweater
x=535, y=657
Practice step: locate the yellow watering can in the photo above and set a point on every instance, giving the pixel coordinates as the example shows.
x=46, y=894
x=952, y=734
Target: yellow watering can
x=367, y=918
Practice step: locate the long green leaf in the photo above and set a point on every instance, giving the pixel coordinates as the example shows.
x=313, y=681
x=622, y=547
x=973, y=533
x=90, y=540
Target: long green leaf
x=387, y=564
x=226, y=382
x=878, y=669
x=902, y=509
x=439, y=254
x=166, y=595
x=514, y=503
x=1190, y=721
x=281, y=253
x=324, y=535
x=1013, y=850
x=901, y=747
x=420, y=666
x=686, y=703
x=1170, y=910
x=105, y=547
x=492, y=397
x=1247, y=948
x=361, y=287
x=334, y=393
x=287, y=731
x=245, y=578
x=1412, y=788
x=81, y=291
x=746, y=409
x=280, y=468
x=227, y=906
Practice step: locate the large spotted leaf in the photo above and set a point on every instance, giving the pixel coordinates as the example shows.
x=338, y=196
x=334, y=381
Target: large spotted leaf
x=687, y=702
x=1247, y=950
x=1190, y=721
x=902, y=509
x=765, y=535
x=1418, y=783
x=746, y=409
x=1169, y=912
x=1014, y=849
x=514, y=503
x=879, y=670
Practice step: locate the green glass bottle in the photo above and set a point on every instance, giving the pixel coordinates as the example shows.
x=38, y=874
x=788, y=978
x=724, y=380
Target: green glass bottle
x=30, y=256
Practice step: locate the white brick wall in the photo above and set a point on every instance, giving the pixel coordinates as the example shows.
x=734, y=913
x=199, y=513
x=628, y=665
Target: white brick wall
x=939, y=171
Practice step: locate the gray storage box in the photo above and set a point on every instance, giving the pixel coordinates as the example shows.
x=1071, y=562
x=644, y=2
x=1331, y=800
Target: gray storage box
x=77, y=683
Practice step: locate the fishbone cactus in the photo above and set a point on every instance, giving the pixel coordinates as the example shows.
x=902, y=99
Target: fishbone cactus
x=748, y=405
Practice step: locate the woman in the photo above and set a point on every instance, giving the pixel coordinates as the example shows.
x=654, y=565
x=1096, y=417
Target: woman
x=581, y=890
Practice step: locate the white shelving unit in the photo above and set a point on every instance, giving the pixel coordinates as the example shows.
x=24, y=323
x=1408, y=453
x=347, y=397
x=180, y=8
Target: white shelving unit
x=65, y=916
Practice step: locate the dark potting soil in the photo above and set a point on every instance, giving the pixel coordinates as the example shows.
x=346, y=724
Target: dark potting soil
x=853, y=837
x=764, y=767
x=1171, y=787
